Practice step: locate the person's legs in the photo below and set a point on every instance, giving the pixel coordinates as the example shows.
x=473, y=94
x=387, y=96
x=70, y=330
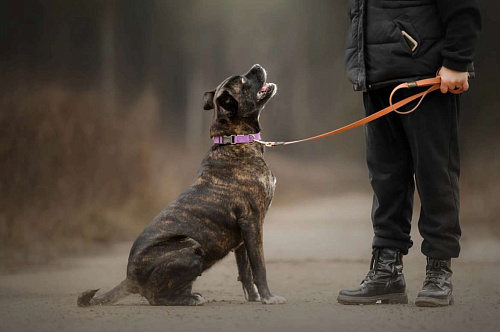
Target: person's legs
x=390, y=165
x=433, y=136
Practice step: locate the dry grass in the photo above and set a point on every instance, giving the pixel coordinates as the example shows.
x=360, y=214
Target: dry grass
x=72, y=171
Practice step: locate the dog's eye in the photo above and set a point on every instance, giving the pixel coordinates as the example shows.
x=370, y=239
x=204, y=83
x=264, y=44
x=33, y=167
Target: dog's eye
x=227, y=102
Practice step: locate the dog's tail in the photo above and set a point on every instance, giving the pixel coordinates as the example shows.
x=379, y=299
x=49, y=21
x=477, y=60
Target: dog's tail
x=119, y=292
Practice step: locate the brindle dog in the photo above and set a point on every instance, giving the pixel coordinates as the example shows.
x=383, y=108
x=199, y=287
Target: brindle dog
x=222, y=211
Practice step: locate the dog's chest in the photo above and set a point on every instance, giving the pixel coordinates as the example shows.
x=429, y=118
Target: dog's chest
x=268, y=182
x=241, y=170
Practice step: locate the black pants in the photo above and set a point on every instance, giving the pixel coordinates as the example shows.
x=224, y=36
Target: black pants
x=421, y=146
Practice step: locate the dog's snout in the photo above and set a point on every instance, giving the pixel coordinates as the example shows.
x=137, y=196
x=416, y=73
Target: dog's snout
x=257, y=72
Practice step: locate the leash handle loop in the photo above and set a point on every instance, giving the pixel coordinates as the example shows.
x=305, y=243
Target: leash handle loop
x=434, y=84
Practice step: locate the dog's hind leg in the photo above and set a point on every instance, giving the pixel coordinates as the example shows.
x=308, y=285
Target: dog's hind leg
x=182, y=297
x=170, y=283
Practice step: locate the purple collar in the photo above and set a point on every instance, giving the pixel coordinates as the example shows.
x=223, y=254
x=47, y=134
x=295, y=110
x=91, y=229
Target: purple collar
x=236, y=139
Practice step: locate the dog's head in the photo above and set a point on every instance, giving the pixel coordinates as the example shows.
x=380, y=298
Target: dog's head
x=240, y=98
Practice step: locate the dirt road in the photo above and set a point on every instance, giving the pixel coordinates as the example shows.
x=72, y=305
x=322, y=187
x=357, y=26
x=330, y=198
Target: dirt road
x=313, y=250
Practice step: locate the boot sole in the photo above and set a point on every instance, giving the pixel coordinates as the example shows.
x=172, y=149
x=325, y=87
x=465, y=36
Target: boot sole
x=400, y=298
x=433, y=302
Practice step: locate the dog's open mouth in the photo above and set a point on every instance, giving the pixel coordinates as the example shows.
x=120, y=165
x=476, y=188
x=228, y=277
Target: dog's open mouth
x=267, y=90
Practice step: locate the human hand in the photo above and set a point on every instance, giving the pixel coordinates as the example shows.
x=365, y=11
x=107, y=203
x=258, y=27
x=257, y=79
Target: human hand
x=453, y=81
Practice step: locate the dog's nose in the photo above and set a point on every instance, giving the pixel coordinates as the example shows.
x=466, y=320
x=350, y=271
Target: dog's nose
x=257, y=67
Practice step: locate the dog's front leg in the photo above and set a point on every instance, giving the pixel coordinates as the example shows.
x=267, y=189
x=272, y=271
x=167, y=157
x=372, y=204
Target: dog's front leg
x=245, y=274
x=251, y=230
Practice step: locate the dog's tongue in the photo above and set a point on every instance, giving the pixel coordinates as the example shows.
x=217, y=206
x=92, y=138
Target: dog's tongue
x=264, y=88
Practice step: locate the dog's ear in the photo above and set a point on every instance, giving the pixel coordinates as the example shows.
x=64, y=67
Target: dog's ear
x=208, y=100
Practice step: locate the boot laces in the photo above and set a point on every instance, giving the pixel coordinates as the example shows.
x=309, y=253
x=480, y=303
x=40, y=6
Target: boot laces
x=433, y=275
x=373, y=266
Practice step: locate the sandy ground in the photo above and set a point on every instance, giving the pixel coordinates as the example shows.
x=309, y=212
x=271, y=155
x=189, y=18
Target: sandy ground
x=313, y=250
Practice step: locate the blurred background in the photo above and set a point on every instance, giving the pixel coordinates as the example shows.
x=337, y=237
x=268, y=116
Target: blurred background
x=102, y=121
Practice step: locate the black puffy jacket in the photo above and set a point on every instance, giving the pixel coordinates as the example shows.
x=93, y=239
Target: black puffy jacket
x=391, y=41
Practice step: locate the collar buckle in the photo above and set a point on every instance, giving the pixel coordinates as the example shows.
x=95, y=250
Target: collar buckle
x=229, y=139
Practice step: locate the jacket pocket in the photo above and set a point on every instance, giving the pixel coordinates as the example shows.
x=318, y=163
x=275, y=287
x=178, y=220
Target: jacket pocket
x=409, y=36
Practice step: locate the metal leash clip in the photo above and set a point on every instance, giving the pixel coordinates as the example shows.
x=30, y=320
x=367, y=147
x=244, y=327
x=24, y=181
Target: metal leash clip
x=270, y=144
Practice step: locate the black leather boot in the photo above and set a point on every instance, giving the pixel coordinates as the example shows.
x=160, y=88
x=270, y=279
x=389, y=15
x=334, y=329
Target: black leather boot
x=385, y=281
x=437, y=290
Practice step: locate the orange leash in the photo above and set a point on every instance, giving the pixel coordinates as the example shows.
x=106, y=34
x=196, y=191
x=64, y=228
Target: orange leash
x=434, y=84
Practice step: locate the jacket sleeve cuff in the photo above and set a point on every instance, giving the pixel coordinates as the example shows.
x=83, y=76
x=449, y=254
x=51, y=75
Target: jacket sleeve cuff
x=455, y=65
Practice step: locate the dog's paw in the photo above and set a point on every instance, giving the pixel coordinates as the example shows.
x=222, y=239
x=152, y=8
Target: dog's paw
x=85, y=298
x=274, y=300
x=253, y=298
x=252, y=294
x=197, y=299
